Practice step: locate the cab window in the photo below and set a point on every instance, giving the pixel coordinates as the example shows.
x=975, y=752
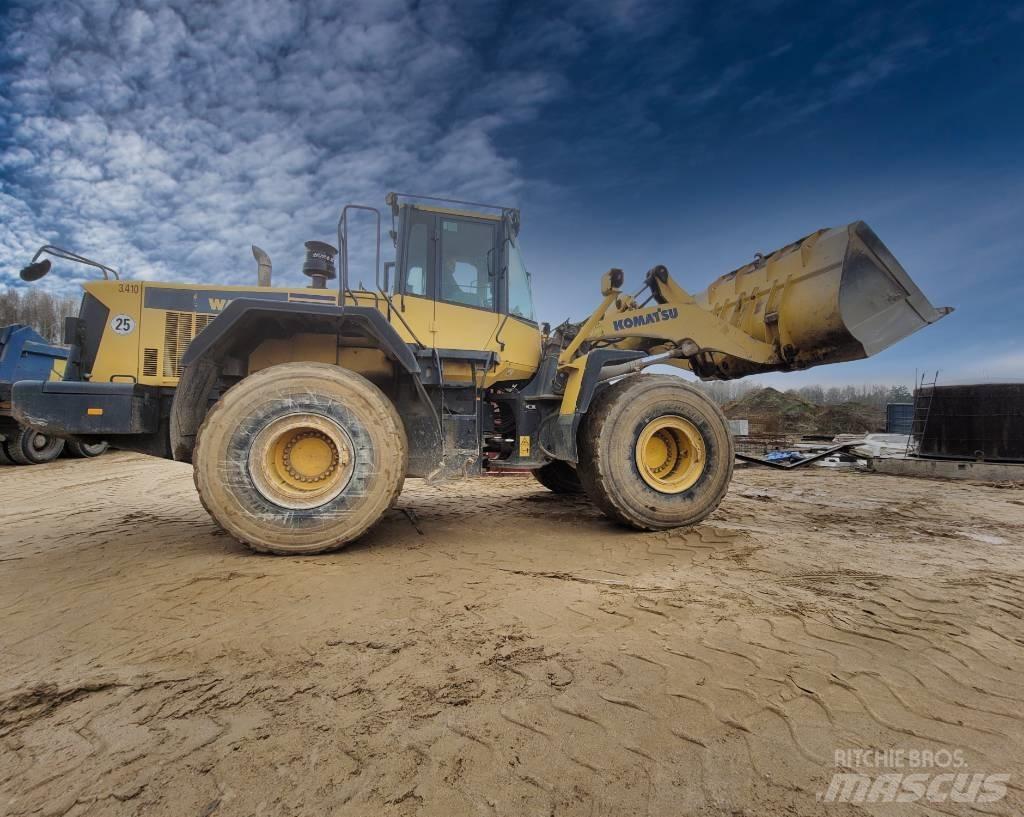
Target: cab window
x=416, y=259
x=520, y=298
x=467, y=263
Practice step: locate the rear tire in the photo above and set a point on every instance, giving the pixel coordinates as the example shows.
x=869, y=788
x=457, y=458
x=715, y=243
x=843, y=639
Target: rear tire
x=559, y=477
x=655, y=453
x=5, y=458
x=85, y=450
x=300, y=458
x=28, y=447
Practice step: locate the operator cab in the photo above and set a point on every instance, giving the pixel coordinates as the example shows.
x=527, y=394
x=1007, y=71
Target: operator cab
x=467, y=259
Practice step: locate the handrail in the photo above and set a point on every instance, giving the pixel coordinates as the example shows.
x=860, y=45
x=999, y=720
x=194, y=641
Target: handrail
x=343, y=248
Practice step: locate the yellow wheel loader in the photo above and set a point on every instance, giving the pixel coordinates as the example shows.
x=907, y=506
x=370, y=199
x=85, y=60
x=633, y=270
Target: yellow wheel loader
x=303, y=410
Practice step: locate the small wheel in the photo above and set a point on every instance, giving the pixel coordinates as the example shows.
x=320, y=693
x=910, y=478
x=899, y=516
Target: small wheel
x=559, y=477
x=5, y=458
x=655, y=453
x=74, y=448
x=28, y=447
x=300, y=458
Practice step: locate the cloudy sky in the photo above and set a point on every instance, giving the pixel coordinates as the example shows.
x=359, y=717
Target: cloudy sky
x=165, y=137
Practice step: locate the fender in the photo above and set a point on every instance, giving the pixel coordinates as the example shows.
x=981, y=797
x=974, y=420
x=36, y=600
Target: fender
x=559, y=430
x=241, y=327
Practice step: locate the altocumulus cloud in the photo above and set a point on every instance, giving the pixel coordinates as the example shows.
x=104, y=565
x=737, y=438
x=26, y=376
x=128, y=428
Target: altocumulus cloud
x=164, y=137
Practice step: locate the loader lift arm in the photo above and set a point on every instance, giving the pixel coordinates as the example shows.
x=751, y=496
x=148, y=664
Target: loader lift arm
x=835, y=295
x=623, y=336
x=675, y=332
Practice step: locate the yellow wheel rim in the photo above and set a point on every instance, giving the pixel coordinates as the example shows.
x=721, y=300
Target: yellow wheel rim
x=301, y=460
x=670, y=454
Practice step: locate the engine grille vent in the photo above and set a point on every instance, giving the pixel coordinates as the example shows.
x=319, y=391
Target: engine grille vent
x=149, y=362
x=179, y=330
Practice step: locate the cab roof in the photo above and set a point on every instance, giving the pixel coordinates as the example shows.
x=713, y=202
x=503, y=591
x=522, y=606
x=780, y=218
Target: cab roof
x=448, y=211
x=475, y=209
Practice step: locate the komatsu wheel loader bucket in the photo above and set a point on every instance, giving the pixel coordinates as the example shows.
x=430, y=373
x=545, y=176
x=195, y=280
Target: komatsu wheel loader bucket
x=836, y=295
x=879, y=303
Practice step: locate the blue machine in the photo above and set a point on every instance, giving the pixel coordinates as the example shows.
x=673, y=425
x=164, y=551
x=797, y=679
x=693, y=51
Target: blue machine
x=25, y=355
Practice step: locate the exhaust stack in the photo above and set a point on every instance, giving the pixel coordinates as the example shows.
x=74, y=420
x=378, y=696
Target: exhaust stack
x=264, y=268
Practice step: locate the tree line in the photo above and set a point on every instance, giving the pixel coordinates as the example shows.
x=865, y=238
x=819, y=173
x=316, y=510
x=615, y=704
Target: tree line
x=38, y=308
x=869, y=394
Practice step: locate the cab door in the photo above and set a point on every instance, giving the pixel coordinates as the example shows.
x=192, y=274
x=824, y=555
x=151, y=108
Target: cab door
x=448, y=285
x=465, y=309
x=414, y=282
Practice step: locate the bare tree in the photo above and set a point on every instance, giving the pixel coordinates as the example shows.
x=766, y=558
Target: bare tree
x=42, y=310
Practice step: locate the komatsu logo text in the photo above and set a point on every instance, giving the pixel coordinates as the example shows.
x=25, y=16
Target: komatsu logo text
x=644, y=318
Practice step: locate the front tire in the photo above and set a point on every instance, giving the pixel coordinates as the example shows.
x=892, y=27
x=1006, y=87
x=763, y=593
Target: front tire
x=300, y=458
x=655, y=453
x=28, y=447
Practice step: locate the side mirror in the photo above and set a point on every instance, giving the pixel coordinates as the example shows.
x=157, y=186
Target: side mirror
x=33, y=272
x=388, y=266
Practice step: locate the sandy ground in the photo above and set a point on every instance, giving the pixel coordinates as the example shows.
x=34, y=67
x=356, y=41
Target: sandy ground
x=492, y=648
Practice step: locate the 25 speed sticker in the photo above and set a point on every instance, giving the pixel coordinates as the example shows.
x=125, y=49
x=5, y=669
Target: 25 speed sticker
x=123, y=324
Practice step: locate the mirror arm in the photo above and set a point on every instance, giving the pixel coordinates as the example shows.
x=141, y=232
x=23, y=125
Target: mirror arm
x=67, y=255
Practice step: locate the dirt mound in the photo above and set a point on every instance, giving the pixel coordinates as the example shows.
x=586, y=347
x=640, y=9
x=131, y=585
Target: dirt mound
x=770, y=410
x=849, y=418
